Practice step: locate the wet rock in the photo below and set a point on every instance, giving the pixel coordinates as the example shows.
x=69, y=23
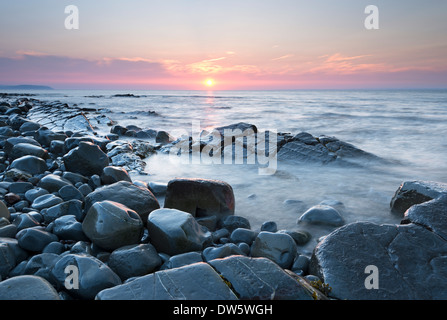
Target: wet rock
x=229, y=249
x=94, y=275
x=111, y=225
x=173, y=284
x=243, y=235
x=409, y=258
x=34, y=193
x=414, y=192
x=45, y=201
x=24, y=149
x=25, y=220
x=31, y=164
x=87, y=159
x=4, y=212
x=136, y=198
x=174, y=232
x=181, y=260
x=27, y=288
x=134, y=260
x=278, y=247
x=44, y=136
x=231, y=223
x=67, y=228
x=269, y=226
x=113, y=174
x=260, y=279
x=200, y=197
x=34, y=239
x=52, y=183
x=70, y=193
x=322, y=214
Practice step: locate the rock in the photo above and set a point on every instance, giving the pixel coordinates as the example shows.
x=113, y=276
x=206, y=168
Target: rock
x=193, y=282
x=74, y=177
x=20, y=187
x=231, y=223
x=27, y=288
x=111, y=225
x=322, y=214
x=299, y=152
x=410, y=261
x=136, y=198
x=7, y=259
x=164, y=137
x=78, y=123
x=87, y=159
x=229, y=249
x=4, y=212
x=415, y=192
x=113, y=174
x=52, y=183
x=57, y=147
x=11, y=198
x=278, y=247
x=181, y=260
x=16, y=174
x=44, y=136
x=41, y=265
x=158, y=189
x=94, y=275
x=34, y=193
x=69, y=192
x=200, y=197
x=30, y=164
x=174, y=232
x=259, y=279
x=431, y=214
x=134, y=260
x=301, y=237
x=11, y=142
x=68, y=228
x=243, y=235
x=29, y=126
x=25, y=220
x=24, y=149
x=54, y=247
x=45, y=201
x=8, y=231
x=301, y=263
x=269, y=226
x=34, y=239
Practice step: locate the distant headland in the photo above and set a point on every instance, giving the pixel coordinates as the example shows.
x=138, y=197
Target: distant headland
x=25, y=87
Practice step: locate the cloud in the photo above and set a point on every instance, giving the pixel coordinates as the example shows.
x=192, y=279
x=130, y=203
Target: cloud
x=283, y=57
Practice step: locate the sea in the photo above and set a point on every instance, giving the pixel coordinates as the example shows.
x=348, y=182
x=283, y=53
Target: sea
x=406, y=127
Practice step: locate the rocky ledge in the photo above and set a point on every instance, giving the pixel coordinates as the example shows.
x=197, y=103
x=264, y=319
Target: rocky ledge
x=75, y=225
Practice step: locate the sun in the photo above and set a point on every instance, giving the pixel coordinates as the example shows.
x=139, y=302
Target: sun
x=209, y=82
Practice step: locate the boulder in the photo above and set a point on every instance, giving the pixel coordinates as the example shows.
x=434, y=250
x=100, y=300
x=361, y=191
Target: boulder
x=322, y=214
x=300, y=152
x=31, y=164
x=228, y=249
x=45, y=201
x=87, y=159
x=34, y=193
x=27, y=287
x=25, y=149
x=414, y=192
x=278, y=247
x=111, y=225
x=69, y=192
x=243, y=235
x=34, y=239
x=68, y=228
x=44, y=136
x=11, y=142
x=52, y=183
x=174, y=232
x=197, y=281
x=260, y=279
x=93, y=275
x=200, y=197
x=409, y=262
x=66, y=208
x=134, y=260
x=4, y=211
x=181, y=260
x=136, y=198
x=113, y=174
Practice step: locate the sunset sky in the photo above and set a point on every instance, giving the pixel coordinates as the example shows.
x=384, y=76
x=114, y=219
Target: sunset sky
x=238, y=44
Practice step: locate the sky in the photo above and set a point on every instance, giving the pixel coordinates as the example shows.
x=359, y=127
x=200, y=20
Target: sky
x=224, y=44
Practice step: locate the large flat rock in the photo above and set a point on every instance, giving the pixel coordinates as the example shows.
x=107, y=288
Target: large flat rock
x=410, y=260
x=193, y=282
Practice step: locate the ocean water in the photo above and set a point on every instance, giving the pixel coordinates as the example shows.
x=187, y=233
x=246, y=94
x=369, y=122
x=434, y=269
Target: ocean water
x=407, y=127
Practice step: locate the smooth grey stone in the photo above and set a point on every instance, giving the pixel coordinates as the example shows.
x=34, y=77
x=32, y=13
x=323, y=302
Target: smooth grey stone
x=134, y=260
x=299, y=152
x=11, y=142
x=27, y=149
x=25, y=220
x=32, y=194
x=54, y=247
x=136, y=198
x=111, y=225
x=27, y=287
x=70, y=207
x=173, y=284
x=87, y=159
x=52, y=183
x=70, y=193
x=410, y=261
x=226, y=250
x=322, y=214
x=94, y=275
x=68, y=228
x=8, y=231
x=44, y=136
x=45, y=201
x=231, y=223
x=74, y=177
x=269, y=226
x=181, y=260
x=29, y=126
x=112, y=174
x=259, y=279
x=173, y=231
x=301, y=263
x=301, y=237
x=31, y=164
x=243, y=235
x=85, y=190
x=244, y=247
x=4, y=212
x=20, y=187
x=34, y=240
x=278, y=247
x=200, y=197
x=41, y=265
x=7, y=259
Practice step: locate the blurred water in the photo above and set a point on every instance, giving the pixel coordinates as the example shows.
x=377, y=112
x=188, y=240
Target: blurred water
x=408, y=127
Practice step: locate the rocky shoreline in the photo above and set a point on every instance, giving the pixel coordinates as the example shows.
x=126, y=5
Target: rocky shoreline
x=75, y=225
